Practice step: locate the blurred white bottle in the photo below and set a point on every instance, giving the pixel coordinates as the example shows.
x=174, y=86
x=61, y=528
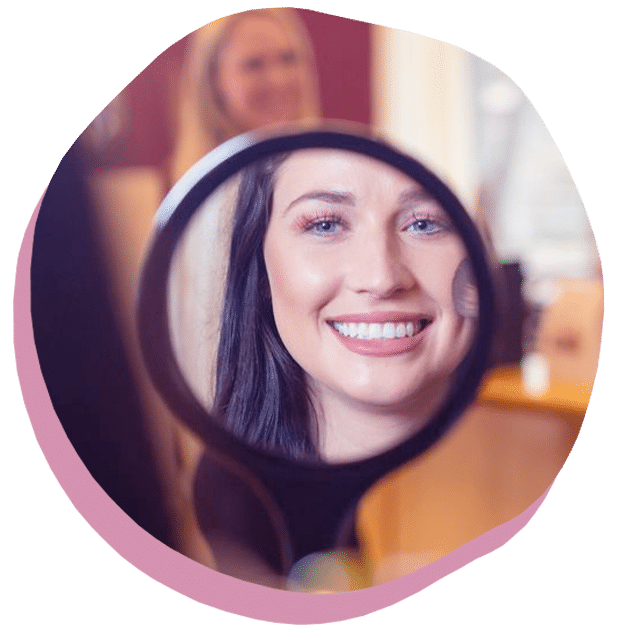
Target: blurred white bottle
x=535, y=373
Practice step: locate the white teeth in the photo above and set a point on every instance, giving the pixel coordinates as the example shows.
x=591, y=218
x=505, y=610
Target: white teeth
x=377, y=331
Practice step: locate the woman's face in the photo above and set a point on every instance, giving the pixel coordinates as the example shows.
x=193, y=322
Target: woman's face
x=258, y=74
x=361, y=263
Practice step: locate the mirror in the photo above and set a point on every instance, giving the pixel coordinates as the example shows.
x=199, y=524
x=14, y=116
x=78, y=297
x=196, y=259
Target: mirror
x=323, y=294
x=317, y=307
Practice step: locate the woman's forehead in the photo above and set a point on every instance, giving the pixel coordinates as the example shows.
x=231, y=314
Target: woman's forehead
x=255, y=33
x=329, y=167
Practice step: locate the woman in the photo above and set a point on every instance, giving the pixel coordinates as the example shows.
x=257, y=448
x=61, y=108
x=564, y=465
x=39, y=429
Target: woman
x=349, y=307
x=243, y=72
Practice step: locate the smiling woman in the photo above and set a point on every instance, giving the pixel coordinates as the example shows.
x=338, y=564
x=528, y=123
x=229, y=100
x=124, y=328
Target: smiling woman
x=360, y=261
x=243, y=72
x=348, y=304
x=258, y=78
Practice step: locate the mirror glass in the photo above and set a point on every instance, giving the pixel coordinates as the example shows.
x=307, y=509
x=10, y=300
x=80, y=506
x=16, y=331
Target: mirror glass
x=320, y=304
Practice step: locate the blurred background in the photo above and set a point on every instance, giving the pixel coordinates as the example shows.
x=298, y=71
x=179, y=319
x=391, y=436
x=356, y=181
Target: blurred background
x=457, y=113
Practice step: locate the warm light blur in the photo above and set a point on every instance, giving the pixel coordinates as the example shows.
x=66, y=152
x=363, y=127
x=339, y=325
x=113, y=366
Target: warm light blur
x=397, y=565
x=327, y=572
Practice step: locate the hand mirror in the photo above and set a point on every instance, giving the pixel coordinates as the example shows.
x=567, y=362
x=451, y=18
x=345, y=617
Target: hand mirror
x=317, y=307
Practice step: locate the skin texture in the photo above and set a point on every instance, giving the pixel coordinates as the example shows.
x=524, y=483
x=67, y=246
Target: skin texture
x=349, y=236
x=258, y=74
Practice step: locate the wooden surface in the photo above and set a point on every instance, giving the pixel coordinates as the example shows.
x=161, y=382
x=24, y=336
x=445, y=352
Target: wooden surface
x=492, y=466
x=503, y=388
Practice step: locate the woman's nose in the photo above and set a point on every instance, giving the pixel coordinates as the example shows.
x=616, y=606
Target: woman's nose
x=280, y=74
x=378, y=266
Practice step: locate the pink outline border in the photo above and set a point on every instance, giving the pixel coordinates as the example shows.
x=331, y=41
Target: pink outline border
x=168, y=566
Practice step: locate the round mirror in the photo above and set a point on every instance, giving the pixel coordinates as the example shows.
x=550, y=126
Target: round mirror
x=315, y=296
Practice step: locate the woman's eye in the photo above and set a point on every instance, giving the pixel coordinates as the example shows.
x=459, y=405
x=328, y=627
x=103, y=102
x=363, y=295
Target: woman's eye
x=324, y=227
x=289, y=58
x=253, y=64
x=425, y=226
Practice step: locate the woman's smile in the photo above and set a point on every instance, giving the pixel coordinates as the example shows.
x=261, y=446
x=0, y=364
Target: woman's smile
x=380, y=334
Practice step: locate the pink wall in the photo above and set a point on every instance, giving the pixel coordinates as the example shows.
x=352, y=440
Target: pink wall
x=343, y=55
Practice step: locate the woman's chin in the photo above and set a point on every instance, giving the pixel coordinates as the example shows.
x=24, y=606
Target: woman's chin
x=402, y=401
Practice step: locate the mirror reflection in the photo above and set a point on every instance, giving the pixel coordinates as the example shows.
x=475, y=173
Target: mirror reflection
x=321, y=302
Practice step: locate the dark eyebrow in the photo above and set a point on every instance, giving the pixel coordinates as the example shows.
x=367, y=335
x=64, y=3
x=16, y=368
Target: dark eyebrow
x=414, y=195
x=323, y=195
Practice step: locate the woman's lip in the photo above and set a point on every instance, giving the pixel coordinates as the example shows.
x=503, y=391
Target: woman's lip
x=382, y=347
x=380, y=317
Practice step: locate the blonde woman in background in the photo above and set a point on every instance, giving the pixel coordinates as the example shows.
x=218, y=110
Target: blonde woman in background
x=240, y=73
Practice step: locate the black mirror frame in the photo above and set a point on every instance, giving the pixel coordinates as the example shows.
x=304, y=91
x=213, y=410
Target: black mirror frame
x=174, y=215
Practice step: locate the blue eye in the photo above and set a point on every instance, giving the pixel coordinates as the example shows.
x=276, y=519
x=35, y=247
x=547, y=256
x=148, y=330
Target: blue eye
x=322, y=224
x=425, y=226
x=324, y=227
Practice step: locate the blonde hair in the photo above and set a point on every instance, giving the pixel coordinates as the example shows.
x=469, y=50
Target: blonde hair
x=203, y=124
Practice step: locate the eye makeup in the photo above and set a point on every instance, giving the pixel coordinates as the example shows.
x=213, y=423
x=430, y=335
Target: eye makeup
x=321, y=223
x=427, y=223
x=329, y=222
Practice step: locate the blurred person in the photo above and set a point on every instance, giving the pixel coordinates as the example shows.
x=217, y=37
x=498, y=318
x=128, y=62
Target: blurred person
x=243, y=72
x=80, y=350
x=239, y=73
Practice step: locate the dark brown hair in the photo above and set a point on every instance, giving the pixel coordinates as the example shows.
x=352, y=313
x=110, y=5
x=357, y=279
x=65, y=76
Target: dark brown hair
x=261, y=394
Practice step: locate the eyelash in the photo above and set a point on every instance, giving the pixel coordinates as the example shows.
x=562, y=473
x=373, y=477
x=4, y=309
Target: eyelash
x=439, y=225
x=309, y=223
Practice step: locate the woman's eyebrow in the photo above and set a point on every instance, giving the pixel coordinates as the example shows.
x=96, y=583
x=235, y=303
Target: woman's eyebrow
x=414, y=195
x=327, y=196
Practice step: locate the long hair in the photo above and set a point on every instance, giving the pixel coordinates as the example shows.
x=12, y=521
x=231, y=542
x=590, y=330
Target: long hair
x=261, y=394
x=202, y=121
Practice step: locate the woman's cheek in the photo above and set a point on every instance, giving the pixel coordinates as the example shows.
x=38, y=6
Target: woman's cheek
x=297, y=280
x=435, y=275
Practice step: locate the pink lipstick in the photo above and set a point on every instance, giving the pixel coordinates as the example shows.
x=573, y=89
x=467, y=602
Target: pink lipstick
x=380, y=334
